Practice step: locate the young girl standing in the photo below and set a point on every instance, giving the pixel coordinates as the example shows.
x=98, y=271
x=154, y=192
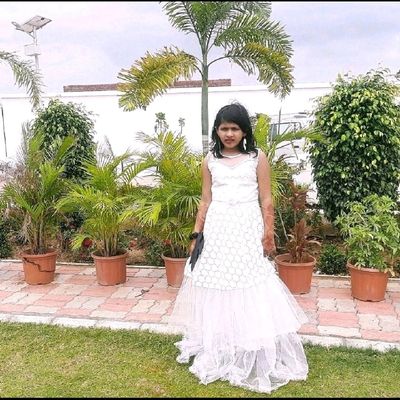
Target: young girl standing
x=239, y=320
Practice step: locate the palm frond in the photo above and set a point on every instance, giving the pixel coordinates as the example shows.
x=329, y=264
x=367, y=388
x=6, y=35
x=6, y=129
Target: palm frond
x=274, y=69
x=61, y=149
x=104, y=151
x=281, y=174
x=152, y=75
x=180, y=15
x=261, y=133
x=252, y=7
x=199, y=18
x=50, y=179
x=76, y=242
x=25, y=75
x=255, y=28
x=130, y=173
x=148, y=213
x=22, y=151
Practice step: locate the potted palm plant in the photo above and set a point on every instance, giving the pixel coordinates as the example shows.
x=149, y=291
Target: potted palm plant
x=372, y=238
x=106, y=201
x=168, y=210
x=32, y=195
x=296, y=265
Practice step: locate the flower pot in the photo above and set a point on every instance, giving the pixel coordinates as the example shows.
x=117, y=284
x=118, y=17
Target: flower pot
x=110, y=270
x=296, y=276
x=367, y=284
x=174, y=269
x=39, y=269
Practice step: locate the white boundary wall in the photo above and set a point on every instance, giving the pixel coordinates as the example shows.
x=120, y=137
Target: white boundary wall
x=121, y=127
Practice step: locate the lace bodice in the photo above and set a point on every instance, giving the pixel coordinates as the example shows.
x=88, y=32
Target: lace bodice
x=234, y=180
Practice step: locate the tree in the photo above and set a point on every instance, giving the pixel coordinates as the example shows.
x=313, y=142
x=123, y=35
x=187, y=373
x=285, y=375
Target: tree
x=360, y=151
x=243, y=30
x=59, y=120
x=25, y=75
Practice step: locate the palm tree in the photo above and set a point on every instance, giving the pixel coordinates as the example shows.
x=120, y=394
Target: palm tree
x=167, y=211
x=242, y=28
x=106, y=200
x=281, y=171
x=36, y=187
x=25, y=75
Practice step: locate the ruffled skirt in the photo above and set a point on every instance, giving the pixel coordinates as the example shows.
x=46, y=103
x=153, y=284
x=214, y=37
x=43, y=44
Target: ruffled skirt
x=245, y=336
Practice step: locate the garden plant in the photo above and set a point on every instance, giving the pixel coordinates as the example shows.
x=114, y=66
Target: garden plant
x=243, y=29
x=360, y=148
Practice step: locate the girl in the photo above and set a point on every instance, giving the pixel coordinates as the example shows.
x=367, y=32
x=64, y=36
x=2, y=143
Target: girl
x=239, y=320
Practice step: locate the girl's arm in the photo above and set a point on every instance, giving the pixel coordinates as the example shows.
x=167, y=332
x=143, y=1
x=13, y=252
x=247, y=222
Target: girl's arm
x=205, y=200
x=267, y=207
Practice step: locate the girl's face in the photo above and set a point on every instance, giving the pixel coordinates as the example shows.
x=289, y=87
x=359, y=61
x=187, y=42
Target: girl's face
x=230, y=135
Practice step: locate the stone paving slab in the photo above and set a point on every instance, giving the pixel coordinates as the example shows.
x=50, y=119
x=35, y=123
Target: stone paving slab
x=145, y=301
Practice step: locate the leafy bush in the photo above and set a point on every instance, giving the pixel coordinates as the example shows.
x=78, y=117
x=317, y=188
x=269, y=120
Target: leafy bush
x=59, y=120
x=360, y=151
x=5, y=246
x=372, y=233
x=153, y=253
x=332, y=261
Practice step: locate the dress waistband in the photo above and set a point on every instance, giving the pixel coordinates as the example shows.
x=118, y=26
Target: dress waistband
x=234, y=202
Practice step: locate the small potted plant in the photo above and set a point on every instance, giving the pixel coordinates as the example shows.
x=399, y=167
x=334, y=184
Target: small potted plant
x=167, y=211
x=372, y=238
x=106, y=201
x=31, y=196
x=296, y=265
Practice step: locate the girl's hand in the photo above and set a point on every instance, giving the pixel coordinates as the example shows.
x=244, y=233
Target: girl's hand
x=269, y=247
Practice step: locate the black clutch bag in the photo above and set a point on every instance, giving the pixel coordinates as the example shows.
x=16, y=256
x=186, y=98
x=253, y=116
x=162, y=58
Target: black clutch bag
x=198, y=247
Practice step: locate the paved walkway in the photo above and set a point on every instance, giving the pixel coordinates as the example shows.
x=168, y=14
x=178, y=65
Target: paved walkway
x=145, y=302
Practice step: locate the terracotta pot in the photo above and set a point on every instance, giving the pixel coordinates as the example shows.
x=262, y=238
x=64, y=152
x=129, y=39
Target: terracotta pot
x=368, y=284
x=296, y=276
x=110, y=270
x=174, y=268
x=39, y=269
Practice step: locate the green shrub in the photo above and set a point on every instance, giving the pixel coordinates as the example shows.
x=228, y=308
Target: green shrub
x=372, y=233
x=332, y=261
x=59, y=120
x=360, y=151
x=153, y=253
x=5, y=246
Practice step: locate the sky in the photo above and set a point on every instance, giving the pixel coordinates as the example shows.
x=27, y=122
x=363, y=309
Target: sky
x=91, y=42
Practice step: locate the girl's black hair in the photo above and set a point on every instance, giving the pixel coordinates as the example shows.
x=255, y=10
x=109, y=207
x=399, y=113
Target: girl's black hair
x=237, y=114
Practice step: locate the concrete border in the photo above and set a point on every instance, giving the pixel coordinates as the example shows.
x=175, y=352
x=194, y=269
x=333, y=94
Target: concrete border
x=327, y=341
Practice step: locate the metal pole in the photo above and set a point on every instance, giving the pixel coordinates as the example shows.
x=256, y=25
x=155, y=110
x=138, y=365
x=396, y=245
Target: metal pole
x=35, y=43
x=4, y=129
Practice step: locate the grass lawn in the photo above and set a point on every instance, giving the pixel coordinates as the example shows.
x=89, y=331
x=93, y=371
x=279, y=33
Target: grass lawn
x=38, y=360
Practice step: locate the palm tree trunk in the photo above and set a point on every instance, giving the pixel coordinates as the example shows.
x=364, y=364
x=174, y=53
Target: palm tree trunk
x=204, y=106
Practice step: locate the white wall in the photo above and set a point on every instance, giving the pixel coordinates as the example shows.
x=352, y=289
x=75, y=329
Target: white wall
x=120, y=127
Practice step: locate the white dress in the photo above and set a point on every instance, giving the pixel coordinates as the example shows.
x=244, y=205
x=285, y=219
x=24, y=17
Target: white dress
x=239, y=320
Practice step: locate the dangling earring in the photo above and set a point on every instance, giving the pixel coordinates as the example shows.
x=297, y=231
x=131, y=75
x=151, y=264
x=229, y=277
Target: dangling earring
x=244, y=142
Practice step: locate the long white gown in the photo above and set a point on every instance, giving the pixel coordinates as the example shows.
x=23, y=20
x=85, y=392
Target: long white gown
x=239, y=320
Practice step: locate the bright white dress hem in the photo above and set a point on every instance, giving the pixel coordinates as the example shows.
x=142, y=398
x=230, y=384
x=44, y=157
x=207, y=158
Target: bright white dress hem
x=239, y=335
